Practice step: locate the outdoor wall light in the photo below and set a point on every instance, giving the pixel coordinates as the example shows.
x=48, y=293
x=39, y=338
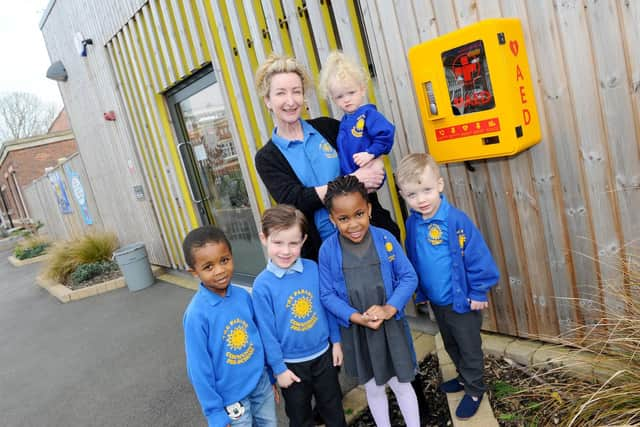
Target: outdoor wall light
x=57, y=72
x=81, y=43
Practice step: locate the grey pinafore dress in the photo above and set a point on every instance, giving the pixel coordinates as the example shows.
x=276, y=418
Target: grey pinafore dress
x=380, y=354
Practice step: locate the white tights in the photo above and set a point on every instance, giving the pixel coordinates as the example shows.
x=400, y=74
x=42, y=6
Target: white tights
x=379, y=405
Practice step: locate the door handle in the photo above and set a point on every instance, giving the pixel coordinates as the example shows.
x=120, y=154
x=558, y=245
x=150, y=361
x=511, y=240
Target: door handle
x=189, y=152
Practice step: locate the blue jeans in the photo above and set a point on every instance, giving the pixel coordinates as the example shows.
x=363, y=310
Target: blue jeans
x=259, y=406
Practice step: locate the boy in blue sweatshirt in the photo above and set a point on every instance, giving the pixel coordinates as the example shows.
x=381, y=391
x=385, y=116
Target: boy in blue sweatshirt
x=365, y=133
x=224, y=352
x=455, y=271
x=302, y=343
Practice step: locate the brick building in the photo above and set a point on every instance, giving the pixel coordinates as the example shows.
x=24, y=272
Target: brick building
x=23, y=160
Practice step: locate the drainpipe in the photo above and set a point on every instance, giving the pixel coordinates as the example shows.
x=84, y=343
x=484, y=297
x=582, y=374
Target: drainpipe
x=13, y=196
x=6, y=208
x=15, y=182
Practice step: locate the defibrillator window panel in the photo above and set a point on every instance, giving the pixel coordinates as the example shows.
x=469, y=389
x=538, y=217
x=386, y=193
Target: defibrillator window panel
x=468, y=80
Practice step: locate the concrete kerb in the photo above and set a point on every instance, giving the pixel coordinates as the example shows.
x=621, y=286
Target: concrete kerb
x=20, y=262
x=65, y=295
x=484, y=416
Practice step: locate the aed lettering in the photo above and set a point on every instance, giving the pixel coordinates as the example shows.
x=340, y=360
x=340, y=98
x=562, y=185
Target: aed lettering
x=526, y=114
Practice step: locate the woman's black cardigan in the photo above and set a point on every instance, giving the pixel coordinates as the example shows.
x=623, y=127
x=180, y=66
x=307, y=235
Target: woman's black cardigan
x=285, y=187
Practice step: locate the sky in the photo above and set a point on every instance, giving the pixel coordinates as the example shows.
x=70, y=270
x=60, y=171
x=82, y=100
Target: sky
x=23, y=54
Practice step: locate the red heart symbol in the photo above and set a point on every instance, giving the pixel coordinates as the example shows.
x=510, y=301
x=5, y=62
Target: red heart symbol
x=513, y=45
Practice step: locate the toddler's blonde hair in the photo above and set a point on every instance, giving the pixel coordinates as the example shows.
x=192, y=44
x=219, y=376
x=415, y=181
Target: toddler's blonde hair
x=276, y=64
x=412, y=166
x=340, y=67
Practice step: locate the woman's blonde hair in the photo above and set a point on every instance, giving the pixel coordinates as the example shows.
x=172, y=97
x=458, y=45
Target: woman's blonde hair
x=276, y=64
x=340, y=67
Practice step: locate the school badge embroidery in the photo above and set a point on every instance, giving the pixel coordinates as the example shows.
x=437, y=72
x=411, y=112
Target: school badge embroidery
x=358, y=129
x=434, y=235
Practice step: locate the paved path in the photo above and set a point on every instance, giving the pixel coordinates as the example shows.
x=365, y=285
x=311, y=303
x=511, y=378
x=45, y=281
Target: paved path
x=113, y=360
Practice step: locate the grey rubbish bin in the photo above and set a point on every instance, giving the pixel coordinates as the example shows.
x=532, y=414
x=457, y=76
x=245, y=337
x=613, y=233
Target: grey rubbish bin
x=134, y=264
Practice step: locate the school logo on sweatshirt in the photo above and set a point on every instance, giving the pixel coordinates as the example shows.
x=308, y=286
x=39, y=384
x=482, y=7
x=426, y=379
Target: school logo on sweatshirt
x=434, y=235
x=389, y=248
x=358, y=128
x=238, y=347
x=300, y=303
x=462, y=239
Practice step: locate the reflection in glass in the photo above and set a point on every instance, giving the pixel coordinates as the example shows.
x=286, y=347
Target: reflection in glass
x=222, y=189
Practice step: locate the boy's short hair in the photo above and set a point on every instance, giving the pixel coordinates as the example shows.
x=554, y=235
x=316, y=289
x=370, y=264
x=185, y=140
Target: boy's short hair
x=282, y=217
x=199, y=237
x=340, y=67
x=411, y=167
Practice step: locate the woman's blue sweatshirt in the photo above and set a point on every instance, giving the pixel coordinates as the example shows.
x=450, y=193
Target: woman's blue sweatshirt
x=400, y=279
x=292, y=322
x=224, y=352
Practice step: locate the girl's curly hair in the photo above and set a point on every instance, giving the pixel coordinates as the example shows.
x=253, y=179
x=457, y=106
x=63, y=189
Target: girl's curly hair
x=342, y=186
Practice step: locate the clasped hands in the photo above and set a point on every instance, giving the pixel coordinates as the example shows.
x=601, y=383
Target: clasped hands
x=374, y=316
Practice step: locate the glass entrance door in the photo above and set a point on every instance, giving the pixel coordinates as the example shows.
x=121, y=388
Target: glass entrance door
x=210, y=161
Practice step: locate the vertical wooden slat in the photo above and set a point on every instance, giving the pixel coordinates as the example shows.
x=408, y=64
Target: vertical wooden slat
x=158, y=59
x=621, y=136
x=595, y=158
x=304, y=53
x=132, y=104
x=162, y=36
x=192, y=25
x=255, y=103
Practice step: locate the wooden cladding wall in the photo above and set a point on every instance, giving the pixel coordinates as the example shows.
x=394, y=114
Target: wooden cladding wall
x=109, y=156
x=165, y=41
x=561, y=218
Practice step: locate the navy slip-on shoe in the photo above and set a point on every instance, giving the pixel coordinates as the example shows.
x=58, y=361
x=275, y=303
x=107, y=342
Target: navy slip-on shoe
x=451, y=386
x=468, y=407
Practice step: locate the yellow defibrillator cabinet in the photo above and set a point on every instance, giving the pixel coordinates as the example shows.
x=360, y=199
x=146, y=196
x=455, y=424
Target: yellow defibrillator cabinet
x=475, y=92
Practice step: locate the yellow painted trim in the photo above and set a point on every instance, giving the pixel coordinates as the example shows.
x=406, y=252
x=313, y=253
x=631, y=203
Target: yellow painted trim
x=171, y=78
x=152, y=33
x=284, y=31
x=328, y=24
x=372, y=97
x=157, y=101
x=306, y=32
x=262, y=24
x=181, y=54
x=120, y=67
x=189, y=35
x=225, y=70
x=244, y=88
x=159, y=145
x=200, y=31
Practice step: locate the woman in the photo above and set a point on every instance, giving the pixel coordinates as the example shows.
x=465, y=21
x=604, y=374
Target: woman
x=300, y=158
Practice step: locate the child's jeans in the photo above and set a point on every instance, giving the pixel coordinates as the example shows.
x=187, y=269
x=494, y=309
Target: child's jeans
x=259, y=406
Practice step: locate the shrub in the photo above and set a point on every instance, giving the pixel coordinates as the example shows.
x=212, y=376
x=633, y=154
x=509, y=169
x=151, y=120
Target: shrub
x=65, y=257
x=30, y=248
x=86, y=272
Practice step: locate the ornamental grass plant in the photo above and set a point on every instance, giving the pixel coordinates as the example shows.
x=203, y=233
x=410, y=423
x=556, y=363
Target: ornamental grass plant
x=613, y=343
x=66, y=256
x=31, y=247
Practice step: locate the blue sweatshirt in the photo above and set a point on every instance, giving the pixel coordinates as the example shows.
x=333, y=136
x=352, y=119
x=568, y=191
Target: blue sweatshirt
x=473, y=270
x=292, y=322
x=224, y=352
x=363, y=130
x=400, y=280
